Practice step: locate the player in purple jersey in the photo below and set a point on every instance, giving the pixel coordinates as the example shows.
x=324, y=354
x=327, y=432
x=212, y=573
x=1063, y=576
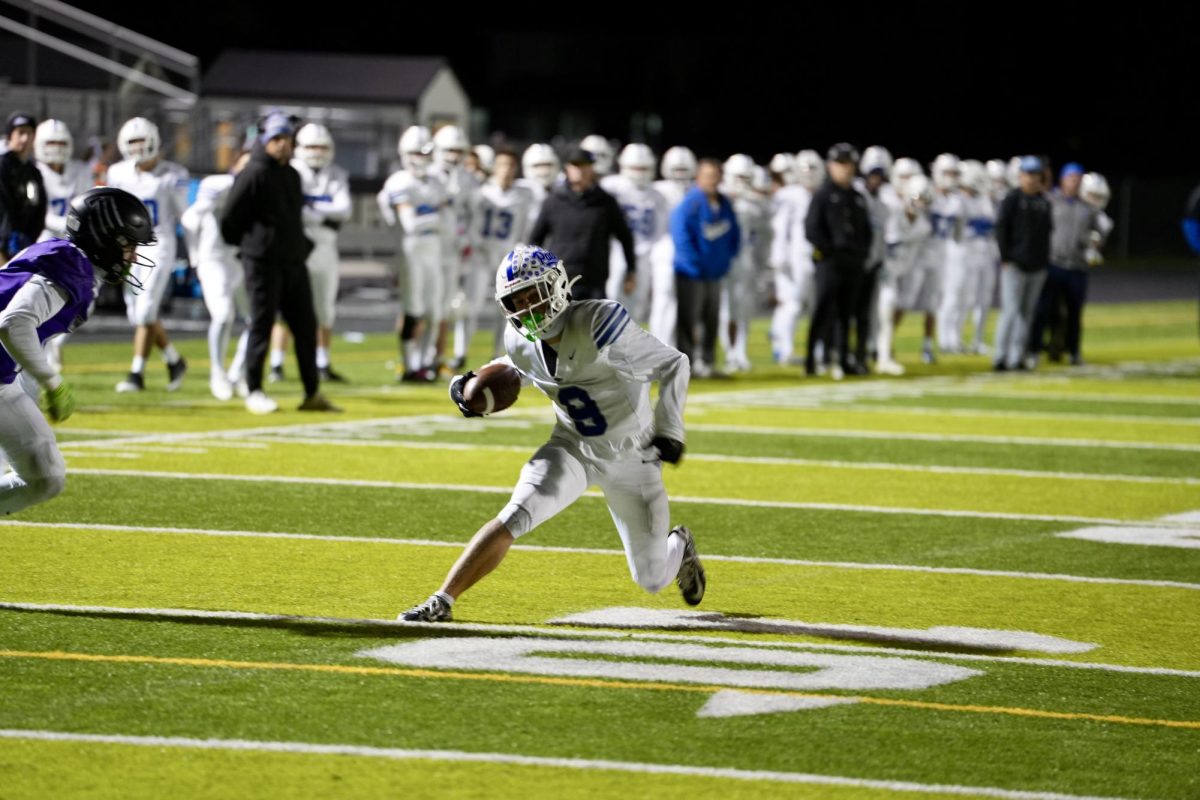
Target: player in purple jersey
x=47, y=289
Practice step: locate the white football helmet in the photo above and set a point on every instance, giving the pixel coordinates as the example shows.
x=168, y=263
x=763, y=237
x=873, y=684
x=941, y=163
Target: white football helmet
x=139, y=140
x=739, y=174
x=416, y=149
x=1093, y=189
x=917, y=193
x=974, y=177
x=52, y=143
x=637, y=164
x=540, y=163
x=532, y=289
x=903, y=170
x=761, y=183
x=873, y=158
x=314, y=146
x=809, y=169
x=997, y=172
x=679, y=164
x=1014, y=171
x=599, y=147
x=946, y=170
x=450, y=145
x=784, y=165
x=486, y=155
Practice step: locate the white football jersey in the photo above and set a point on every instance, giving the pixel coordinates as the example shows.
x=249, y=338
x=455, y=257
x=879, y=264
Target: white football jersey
x=461, y=187
x=906, y=240
x=946, y=217
x=539, y=193
x=163, y=189
x=979, y=224
x=326, y=199
x=645, y=211
x=202, y=223
x=61, y=188
x=425, y=195
x=790, y=246
x=500, y=218
x=754, y=220
x=672, y=191
x=600, y=385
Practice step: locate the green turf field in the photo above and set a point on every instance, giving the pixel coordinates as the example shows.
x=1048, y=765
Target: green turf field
x=948, y=584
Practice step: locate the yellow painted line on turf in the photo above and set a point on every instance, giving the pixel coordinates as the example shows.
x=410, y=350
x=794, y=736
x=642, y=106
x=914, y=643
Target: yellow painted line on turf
x=593, y=683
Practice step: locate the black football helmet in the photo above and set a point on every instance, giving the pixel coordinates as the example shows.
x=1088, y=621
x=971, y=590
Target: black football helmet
x=102, y=222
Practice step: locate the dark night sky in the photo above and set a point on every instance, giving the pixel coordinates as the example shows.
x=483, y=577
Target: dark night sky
x=1113, y=92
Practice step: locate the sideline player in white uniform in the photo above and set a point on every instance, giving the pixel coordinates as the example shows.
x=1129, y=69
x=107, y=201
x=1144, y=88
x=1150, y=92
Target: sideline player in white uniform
x=602, y=149
x=1093, y=189
x=646, y=212
x=499, y=221
x=47, y=289
x=450, y=149
x=678, y=168
x=738, y=298
x=540, y=168
x=222, y=279
x=64, y=178
x=944, y=301
x=162, y=186
x=980, y=252
x=596, y=365
x=413, y=201
x=905, y=234
x=791, y=253
x=326, y=188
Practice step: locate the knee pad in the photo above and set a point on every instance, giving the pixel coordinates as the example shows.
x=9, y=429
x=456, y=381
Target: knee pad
x=516, y=519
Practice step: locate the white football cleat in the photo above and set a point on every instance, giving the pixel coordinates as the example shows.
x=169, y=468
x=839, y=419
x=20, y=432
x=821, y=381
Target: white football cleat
x=259, y=403
x=889, y=367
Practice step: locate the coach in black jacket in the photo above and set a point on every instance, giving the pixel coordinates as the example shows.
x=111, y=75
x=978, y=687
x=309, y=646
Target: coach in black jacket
x=577, y=221
x=263, y=220
x=839, y=228
x=22, y=194
x=1023, y=226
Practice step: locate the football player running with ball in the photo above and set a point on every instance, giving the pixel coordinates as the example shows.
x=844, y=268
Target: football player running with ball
x=596, y=365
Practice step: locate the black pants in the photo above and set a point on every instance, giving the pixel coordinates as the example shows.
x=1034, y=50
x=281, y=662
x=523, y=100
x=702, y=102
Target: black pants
x=277, y=289
x=699, y=303
x=864, y=312
x=836, y=288
x=586, y=291
x=1068, y=286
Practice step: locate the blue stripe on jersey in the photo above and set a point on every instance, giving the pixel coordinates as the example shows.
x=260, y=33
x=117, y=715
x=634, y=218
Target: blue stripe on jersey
x=425, y=208
x=980, y=226
x=617, y=333
x=318, y=198
x=609, y=332
x=612, y=312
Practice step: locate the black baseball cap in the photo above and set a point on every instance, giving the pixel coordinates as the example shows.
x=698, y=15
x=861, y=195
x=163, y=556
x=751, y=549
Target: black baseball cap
x=844, y=152
x=581, y=156
x=19, y=119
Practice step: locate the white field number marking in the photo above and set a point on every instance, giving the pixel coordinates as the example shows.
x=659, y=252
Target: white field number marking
x=1148, y=535
x=553, y=657
x=944, y=636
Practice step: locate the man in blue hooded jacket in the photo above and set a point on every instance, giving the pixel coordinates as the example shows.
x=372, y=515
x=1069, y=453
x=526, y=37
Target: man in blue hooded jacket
x=707, y=238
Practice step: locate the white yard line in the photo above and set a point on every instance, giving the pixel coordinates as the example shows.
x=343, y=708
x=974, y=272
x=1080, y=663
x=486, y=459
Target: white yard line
x=559, y=632
x=795, y=562
x=735, y=459
x=721, y=501
x=837, y=433
x=579, y=764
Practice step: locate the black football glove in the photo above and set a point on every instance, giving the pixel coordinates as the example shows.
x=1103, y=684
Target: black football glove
x=456, y=394
x=669, y=450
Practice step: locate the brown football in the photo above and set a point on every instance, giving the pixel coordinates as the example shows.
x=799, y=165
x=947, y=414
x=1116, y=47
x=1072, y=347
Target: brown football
x=494, y=388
